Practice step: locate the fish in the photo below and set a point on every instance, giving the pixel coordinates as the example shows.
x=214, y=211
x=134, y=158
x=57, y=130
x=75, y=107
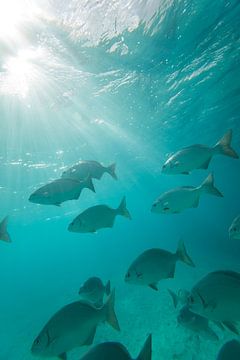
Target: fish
x=198, y=156
x=179, y=199
x=196, y=323
x=93, y=290
x=98, y=217
x=180, y=298
x=91, y=168
x=72, y=326
x=116, y=351
x=4, y=235
x=229, y=351
x=217, y=296
x=156, y=264
x=59, y=191
x=234, y=230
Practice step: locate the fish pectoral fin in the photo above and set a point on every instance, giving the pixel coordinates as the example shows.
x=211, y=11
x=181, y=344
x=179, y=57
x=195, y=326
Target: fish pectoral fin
x=153, y=286
x=63, y=356
x=231, y=326
x=57, y=204
x=206, y=164
x=90, y=339
x=219, y=324
x=185, y=173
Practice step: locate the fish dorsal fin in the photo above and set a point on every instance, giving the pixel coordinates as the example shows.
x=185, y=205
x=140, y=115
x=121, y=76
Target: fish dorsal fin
x=146, y=352
x=228, y=273
x=153, y=286
x=62, y=356
x=90, y=339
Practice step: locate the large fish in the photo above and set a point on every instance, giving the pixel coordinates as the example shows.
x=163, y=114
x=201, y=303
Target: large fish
x=72, y=326
x=60, y=190
x=90, y=168
x=116, y=351
x=217, y=297
x=4, y=235
x=185, y=197
x=234, y=230
x=198, y=156
x=98, y=217
x=196, y=323
x=230, y=351
x=154, y=265
x=93, y=290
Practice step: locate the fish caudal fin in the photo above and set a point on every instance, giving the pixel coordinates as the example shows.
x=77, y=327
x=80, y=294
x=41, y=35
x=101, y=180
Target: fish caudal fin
x=224, y=146
x=108, y=288
x=111, y=317
x=4, y=235
x=122, y=209
x=89, y=184
x=111, y=170
x=146, y=352
x=209, y=188
x=182, y=254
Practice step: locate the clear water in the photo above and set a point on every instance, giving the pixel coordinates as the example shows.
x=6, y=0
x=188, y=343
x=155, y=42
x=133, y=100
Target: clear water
x=115, y=81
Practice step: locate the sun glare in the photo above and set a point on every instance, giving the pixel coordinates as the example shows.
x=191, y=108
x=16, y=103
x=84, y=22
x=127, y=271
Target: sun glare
x=11, y=16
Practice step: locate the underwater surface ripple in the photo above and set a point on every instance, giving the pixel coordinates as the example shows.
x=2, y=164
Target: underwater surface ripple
x=129, y=82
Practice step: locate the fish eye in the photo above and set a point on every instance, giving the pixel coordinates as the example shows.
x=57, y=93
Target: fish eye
x=128, y=275
x=37, y=342
x=235, y=229
x=191, y=300
x=154, y=205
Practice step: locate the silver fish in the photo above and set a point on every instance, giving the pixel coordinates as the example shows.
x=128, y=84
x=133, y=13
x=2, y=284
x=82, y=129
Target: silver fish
x=198, y=156
x=98, y=217
x=93, y=290
x=234, y=230
x=196, y=323
x=72, y=326
x=230, y=351
x=94, y=169
x=217, y=297
x=4, y=235
x=59, y=191
x=154, y=265
x=116, y=351
x=177, y=200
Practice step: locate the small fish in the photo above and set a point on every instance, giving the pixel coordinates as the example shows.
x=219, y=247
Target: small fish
x=93, y=290
x=4, y=235
x=72, y=326
x=230, y=351
x=116, y=351
x=234, y=230
x=60, y=190
x=196, y=323
x=154, y=265
x=98, y=217
x=177, y=200
x=198, y=156
x=217, y=297
x=94, y=169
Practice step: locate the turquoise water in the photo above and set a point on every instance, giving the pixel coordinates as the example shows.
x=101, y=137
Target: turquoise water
x=127, y=82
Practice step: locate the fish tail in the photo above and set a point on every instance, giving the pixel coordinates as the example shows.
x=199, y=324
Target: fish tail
x=182, y=254
x=223, y=146
x=108, y=288
x=208, y=186
x=146, y=352
x=111, y=170
x=4, y=236
x=110, y=312
x=122, y=209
